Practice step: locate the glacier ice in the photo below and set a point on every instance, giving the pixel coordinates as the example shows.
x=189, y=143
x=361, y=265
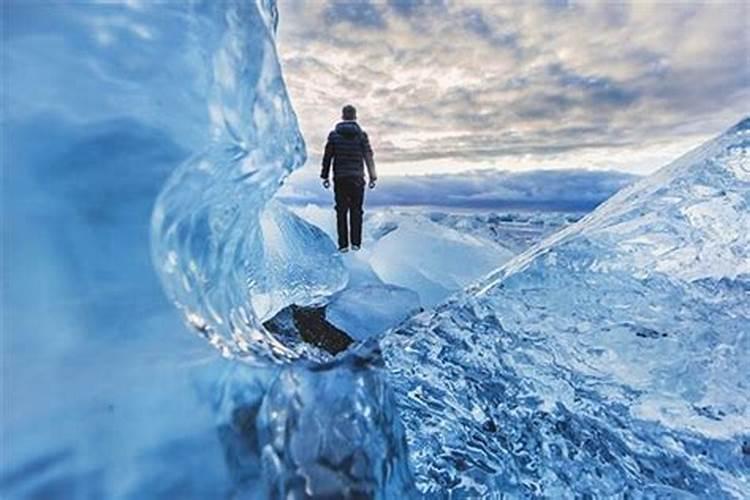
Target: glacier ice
x=104, y=396
x=411, y=251
x=228, y=261
x=368, y=310
x=610, y=359
x=422, y=256
x=302, y=272
x=411, y=259
x=516, y=231
x=333, y=433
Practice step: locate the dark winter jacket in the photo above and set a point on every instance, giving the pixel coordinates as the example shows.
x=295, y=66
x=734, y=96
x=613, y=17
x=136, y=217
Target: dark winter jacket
x=349, y=148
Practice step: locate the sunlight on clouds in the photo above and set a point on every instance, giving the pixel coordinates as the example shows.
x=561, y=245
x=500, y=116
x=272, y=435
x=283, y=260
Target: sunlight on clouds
x=444, y=86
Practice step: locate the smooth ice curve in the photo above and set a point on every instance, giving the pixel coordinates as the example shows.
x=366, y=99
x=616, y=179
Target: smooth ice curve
x=228, y=256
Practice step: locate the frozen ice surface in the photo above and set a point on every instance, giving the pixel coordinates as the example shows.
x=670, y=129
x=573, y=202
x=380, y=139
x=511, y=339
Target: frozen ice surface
x=430, y=255
x=194, y=84
x=333, y=433
x=433, y=260
x=516, y=231
x=409, y=250
x=367, y=310
x=610, y=358
x=302, y=273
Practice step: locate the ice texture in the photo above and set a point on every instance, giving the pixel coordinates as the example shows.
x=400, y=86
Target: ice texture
x=367, y=310
x=611, y=358
x=433, y=260
x=333, y=433
x=225, y=260
x=516, y=231
x=104, y=395
x=101, y=385
x=411, y=251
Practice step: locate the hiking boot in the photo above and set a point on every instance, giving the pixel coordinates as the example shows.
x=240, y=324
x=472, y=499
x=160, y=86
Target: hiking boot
x=355, y=248
x=344, y=249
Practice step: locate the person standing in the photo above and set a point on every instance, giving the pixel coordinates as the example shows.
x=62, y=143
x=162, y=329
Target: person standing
x=348, y=148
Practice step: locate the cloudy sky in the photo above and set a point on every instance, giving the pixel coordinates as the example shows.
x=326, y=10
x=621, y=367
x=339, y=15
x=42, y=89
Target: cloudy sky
x=448, y=86
x=566, y=190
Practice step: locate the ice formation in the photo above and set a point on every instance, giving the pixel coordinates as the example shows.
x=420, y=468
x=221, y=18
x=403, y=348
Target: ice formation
x=368, y=310
x=333, y=433
x=516, y=231
x=102, y=101
x=227, y=260
x=414, y=252
x=423, y=256
x=610, y=358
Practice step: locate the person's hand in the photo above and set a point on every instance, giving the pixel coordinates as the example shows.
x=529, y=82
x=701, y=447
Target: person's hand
x=372, y=184
x=326, y=183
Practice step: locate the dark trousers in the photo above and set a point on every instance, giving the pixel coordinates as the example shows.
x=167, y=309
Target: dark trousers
x=349, y=193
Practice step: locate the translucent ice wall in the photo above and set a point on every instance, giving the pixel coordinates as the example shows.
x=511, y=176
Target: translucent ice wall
x=102, y=101
x=227, y=259
x=202, y=79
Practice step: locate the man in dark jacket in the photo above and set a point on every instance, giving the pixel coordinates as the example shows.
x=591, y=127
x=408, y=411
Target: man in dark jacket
x=349, y=148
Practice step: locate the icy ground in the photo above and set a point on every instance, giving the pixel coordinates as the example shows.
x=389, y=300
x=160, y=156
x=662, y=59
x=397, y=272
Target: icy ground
x=609, y=359
x=105, y=394
x=408, y=261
